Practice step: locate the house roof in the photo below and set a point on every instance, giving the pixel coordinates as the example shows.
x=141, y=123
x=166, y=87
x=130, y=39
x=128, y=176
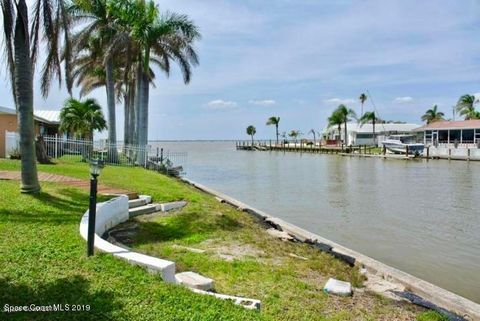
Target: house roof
x=459, y=124
x=379, y=128
x=52, y=116
x=45, y=116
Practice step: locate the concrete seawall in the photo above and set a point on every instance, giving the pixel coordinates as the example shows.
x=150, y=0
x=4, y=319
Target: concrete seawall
x=440, y=297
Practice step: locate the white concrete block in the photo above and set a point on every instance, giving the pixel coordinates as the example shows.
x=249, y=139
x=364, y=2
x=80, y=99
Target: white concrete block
x=194, y=280
x=337, y=287
x=165, y=207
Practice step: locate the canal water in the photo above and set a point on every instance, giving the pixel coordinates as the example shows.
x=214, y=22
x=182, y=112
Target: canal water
x=421, y=217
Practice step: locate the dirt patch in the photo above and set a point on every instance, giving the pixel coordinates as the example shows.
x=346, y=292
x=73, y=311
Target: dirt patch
x=233, y=251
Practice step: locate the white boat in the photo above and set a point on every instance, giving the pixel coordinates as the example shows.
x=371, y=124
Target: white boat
x=398, y=144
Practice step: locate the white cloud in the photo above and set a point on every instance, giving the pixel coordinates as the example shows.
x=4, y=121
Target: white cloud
x=338, y=101
x=477, y=95
x=221, y=104
x=403, y=100
x=265, y=102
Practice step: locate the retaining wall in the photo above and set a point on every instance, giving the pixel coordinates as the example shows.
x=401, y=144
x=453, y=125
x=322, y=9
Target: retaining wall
x=428, y=291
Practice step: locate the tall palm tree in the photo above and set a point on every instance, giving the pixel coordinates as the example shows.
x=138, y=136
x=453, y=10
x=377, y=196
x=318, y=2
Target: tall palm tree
x=368, y=117
x=251, y=130
x=162, y=39
x=101, y=24
x=274, y=121
x=466, y=107
x=363, y=98
x=433, y=115
x=81, y=118
x=21, y=41
x=346, y=114
x=336, y=119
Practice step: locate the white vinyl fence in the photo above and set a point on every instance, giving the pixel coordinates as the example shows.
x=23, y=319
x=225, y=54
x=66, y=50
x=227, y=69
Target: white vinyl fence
x=117, y=154
x=12, y=143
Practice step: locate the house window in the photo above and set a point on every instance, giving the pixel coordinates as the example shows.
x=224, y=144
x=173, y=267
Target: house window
x=454, y=135
x=467, y=135
x=443, y=136
x=364, y=135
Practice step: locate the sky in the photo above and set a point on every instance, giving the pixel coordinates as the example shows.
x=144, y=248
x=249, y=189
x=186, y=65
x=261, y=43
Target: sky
x=299, y=59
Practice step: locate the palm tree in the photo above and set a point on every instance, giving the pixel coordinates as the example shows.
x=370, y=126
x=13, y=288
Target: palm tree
x=336, y=119
x=433, y=115
x=21, y=41
x=314, y=133
x=161, y=39
x=251, y=130
x=368, y=117
x=294, y=134
x=466, y=107
x=81, y=118
x=346, y=114
x=274, y=121
x=102, y=26
x=363, y=98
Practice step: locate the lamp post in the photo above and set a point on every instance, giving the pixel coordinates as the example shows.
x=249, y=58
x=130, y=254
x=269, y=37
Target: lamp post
x=96, y=166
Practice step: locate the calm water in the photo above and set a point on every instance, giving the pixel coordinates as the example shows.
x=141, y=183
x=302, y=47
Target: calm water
x=423, y=218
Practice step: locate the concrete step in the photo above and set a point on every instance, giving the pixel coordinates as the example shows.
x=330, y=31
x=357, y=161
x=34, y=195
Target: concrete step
x=144, y=209
x=140, y=201
x=194, y=280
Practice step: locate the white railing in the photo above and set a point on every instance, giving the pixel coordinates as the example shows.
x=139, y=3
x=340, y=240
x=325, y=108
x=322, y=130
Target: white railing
x=12, y=143
x=116, y=154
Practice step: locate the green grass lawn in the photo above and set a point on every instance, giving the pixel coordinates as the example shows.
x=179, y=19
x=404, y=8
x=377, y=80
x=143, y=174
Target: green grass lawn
x=43, y=259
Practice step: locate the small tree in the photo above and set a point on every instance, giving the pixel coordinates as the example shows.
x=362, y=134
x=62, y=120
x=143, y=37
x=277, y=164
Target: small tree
x=251, y=130
x=82, y=118
x=274, y=121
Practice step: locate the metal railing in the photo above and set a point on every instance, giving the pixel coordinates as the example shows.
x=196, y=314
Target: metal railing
x=117, y=154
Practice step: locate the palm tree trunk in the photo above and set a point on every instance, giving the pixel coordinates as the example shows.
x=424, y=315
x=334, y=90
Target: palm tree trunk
x=276, y=130
x=339, y=133
x=346, y=138
x=112, y=129
x=252, y=140
x=131, y=117
x=138, y=100
x=126, y=122
x=23, y=88
x=143, y=118
x=374, y=136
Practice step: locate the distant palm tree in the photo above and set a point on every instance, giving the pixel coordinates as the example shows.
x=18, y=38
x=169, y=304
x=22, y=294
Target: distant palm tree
x=251, y=130
x=336, y=119
x=314, y=133
x=274, y=121
x=466, y=107
x=82, y=117
x=368, y=117
x=294, y=134
x=433, y=115
x=346, y=115
x=363, y=98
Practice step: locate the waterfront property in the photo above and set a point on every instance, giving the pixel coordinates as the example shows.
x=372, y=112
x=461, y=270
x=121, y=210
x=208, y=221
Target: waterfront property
x=464, y=133
x=363, y=134
x=46, y=123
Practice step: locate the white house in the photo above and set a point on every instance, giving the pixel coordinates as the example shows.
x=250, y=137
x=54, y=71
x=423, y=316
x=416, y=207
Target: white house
x=363, y=134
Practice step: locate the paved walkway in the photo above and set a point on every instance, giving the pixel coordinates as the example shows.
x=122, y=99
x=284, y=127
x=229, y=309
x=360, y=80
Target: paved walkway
x=67, y=180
